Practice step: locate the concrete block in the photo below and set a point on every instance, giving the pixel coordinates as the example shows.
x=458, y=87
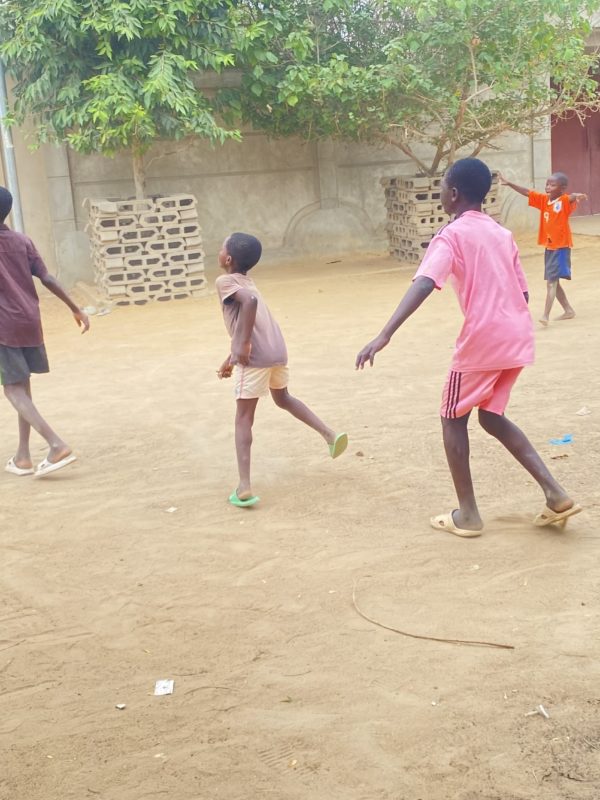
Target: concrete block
x=165, y=245
x=166, y=271
x=105, y=236
x=157, y=219
x=143, y=261
x=115, y=207
x=114, y=250
x=118, y=222
x=138, y=290
x=98, y=208
x=138, y=234
x=120, y=278
x=187, y=230
x=177, y=201
x=194, y=254
x=187, y=283
x=112, y=291
x=188, y=213
x=194, y=268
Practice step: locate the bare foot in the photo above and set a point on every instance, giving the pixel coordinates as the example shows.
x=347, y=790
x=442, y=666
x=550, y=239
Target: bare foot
x=57, y=453
x=544, y=321
x=560, y=503
x=23, y=463
x=472, y=523
x=566, y=315
x=244, y=494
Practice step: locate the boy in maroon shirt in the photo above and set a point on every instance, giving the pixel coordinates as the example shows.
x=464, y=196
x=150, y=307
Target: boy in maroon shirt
x=22, y=348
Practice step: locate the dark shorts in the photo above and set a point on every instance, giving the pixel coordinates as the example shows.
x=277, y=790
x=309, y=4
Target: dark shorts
x=17, y=363
x=557, y=264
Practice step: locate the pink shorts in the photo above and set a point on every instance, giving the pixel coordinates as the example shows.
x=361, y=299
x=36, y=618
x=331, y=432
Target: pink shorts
x=488, y=390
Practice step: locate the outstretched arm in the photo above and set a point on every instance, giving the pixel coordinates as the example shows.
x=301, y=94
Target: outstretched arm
x=577, y=197
x=240, y=344
x=419, y=291
x=50, y=282
x=520, y=189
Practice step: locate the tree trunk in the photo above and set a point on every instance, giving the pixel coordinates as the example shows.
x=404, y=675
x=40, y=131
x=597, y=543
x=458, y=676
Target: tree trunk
x=139, y=175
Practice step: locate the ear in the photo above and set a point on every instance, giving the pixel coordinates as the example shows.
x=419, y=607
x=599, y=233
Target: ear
x=453, y=196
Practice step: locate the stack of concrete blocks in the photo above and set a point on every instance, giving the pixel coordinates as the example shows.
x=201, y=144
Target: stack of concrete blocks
x=415, y=213
x=148, y=249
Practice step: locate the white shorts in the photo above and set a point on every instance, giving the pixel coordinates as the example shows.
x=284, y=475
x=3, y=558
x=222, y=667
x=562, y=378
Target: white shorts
x=252, y=382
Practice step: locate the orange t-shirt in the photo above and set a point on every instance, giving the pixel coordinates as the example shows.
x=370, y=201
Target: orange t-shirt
x=555, y=231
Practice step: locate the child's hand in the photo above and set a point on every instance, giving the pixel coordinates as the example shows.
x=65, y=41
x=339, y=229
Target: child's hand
x=225, y=369
x=502, y=180
x=240, y=353
x=368, y=352
x=82, y=319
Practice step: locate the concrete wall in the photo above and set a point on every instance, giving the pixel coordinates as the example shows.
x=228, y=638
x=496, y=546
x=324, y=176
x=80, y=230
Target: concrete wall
x=293, y=195
x=35, y=197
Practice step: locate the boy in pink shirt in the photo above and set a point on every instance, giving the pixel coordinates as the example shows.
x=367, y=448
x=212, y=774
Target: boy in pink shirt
x=481, y=261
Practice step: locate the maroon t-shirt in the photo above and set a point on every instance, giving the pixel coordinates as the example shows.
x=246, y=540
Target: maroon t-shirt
x=20, y=323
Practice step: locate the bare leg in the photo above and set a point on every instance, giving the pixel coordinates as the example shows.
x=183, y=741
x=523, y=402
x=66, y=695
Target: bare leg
x=23, y=455
x=298, y=409
x=550, y=295
x=456, y=444
x=562, y=299
x=244, y=419
x=19, y=395
x=519, y=446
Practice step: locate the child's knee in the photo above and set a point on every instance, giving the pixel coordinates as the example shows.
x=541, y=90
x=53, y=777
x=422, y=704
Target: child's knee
x=280, y=397
x=488, y=420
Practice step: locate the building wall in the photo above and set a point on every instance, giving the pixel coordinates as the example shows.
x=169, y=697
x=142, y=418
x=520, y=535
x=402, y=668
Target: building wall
x=293, y=195
x=33, y=187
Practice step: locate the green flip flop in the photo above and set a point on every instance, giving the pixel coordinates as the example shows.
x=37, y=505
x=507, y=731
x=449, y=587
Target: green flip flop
x=339, y=445
x=236, y=501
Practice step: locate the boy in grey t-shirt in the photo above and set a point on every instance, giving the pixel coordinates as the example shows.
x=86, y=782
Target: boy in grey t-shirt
x=258, y=358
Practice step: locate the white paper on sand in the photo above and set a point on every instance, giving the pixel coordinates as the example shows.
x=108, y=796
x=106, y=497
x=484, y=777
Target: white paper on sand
x=164, y=687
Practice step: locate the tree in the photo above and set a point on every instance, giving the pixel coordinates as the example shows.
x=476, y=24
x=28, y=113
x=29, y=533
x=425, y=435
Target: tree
x=454, y=74
x=111, y=75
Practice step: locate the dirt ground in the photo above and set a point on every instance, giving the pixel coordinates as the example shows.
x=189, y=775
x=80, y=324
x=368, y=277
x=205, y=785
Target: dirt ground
x=281, y=689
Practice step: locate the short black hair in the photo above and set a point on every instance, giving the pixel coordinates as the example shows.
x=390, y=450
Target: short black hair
x=561, y=178
x=244, y=249
x=471, y=177
x=6, y=201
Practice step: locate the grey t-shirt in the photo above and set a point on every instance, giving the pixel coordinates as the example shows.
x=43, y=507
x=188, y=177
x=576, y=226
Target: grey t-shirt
x=268, y=345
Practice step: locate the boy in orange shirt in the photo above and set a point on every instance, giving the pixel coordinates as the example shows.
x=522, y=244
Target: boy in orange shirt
x=556, y=206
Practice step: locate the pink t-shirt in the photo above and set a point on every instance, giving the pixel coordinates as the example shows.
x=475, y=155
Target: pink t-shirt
x=268, y=345
x=481, y=260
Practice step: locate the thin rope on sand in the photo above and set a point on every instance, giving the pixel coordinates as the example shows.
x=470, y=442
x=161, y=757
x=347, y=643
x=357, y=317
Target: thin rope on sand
x=472, y=643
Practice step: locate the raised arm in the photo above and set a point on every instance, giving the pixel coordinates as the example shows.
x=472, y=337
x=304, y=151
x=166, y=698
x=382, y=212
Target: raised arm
x=240, y=344
x=520, y=189
x=81, y=318
x=419, y=291
x=577, y=197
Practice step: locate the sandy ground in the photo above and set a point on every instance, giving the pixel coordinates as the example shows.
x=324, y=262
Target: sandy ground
x=281, y=689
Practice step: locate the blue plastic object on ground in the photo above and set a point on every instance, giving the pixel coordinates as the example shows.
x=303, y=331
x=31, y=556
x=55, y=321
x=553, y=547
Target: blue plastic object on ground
x=566, y=439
